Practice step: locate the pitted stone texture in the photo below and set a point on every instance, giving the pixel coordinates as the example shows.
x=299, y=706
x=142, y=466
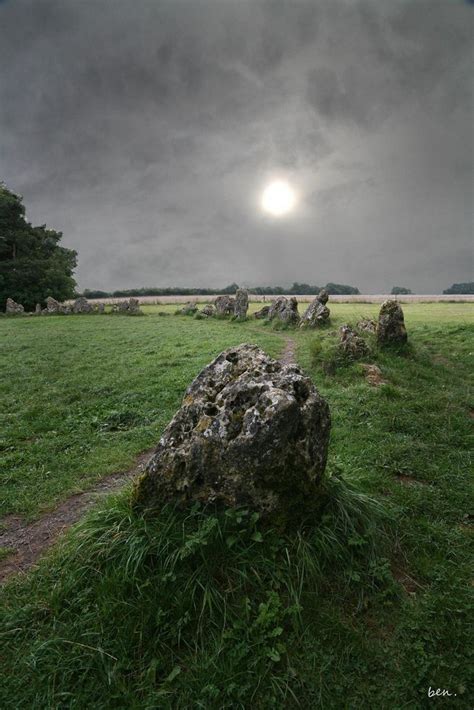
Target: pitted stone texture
x=391, y=324
x=12, y=308
x=352, y=344
x=368, y=325
x=224, y=305
x=52, y=306
x=262, y=313
x=317, y=313
x=251, y=431
x=82, y=305
x=208, y=310
x=241, y=304
x=285, y=309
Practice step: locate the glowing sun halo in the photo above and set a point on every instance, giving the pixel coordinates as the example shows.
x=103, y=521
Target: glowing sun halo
x=278, y=198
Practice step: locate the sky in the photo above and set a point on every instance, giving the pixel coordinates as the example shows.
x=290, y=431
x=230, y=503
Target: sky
x=146, y=131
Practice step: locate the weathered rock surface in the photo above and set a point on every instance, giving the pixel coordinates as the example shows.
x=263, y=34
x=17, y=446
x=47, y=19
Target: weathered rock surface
x=52, y=306
x=317, y=313
x=251, y=431
x=208, y=310
x=285, y=309
x=368, y=325
x=241, y=304
x=82, y=305
x=391, y=324
x=262, y=313
x=38, y=309
x=352, y=344
x=224, y=305
x=130, y=307
x=13, y=308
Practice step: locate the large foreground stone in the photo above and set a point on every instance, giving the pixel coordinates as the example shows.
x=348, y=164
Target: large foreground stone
x=391, y=324
x=251, y=431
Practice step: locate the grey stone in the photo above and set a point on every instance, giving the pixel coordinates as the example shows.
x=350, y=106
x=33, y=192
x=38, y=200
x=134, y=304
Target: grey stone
x=241, y=304
x=285, y=309
x=262, y=313
x=351, y=344
x=208, y=310
x=100, y=308
x=38, y=309
x=130, y=307
x=224, y=305
x=52, y=306
x=317, y=313
x=368, y=325
x=251, y=431
x=13, y=308
x=391, y=324
x=82, y=305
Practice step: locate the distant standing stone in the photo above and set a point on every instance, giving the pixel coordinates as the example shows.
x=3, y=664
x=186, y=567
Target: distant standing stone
x=391, y=324
x=189, y=309
x=13, y=308
x=38, y=309
x=52, y=306
x=224, y=305
x=317, y=313
x=285, y=309
x=130, y=307
x=250, y=431
x=241, y=304
x=82, y=305
x=208, y=310
x=262, y=313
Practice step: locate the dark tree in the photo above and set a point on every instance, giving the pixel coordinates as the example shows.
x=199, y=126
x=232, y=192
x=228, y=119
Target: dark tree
x=462, y=288
x=400, y=291
x=32, y=264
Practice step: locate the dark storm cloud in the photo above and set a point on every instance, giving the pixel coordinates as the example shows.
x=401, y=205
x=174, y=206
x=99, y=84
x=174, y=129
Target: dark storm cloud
x=146, y=130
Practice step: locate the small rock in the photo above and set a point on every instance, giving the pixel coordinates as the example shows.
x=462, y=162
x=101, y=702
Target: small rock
x=208, y=310
x=352, y=344
x=373, y=375
x=391, y=324
x=224, y=305
x=285, y=310
x=13, y=308
x=250, y=431
x=241, y=304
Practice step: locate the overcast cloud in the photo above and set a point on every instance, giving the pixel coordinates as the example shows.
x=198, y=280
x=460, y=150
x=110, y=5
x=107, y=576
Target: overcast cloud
x=146, y=130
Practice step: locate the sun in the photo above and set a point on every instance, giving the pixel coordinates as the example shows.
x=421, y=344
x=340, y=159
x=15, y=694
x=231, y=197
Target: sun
x=278, y=198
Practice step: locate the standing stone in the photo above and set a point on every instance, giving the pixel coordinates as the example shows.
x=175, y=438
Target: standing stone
x=38, y=309
x=130, y=307
x=100, y=308
x=285, y=309
x=82, y=305
x=12, y=308
x=241, y=304
x=391, y=324
x=224, y=305
x=52, y=306
x=352, y=344
x=251, y=431
x=317, y=313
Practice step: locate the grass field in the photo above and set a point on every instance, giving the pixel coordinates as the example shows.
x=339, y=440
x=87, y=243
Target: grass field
x=364, y=610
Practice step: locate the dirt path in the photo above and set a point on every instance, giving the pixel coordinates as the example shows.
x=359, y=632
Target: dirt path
x=288, y=356
x=28, y=541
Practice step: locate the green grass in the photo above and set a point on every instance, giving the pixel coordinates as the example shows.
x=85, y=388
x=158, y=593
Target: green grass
x=359, y=610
